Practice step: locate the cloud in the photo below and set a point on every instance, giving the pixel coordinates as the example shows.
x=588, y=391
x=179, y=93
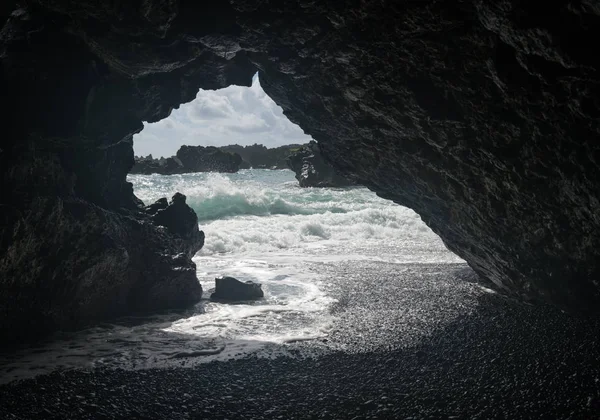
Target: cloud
x=232, y=115
x=248, y=124
x=210, y=106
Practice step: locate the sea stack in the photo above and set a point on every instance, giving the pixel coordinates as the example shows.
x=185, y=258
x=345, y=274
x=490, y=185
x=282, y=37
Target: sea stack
x=312, y=170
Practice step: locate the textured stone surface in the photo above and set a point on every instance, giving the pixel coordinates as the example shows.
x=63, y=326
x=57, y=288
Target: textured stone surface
x=312, y=170
x=483, y=116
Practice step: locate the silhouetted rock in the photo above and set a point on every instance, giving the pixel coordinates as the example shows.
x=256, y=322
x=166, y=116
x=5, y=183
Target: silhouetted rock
x=148, y=165
x=189, y=159
x=312, y=171
x=208, y=159
x=260, y=157
x=229, y=288
x=182, y=221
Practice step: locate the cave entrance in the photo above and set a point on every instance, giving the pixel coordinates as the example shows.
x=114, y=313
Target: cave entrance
x=261, y=226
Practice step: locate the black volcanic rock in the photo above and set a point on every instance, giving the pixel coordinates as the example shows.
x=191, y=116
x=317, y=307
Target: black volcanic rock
x=482, y=116
x=182, y=222
x=312, y=171
x=208, y=159
x=148, y=165
x=97, y=265
x=262, y=157
x=229, y=288
x=189, y=159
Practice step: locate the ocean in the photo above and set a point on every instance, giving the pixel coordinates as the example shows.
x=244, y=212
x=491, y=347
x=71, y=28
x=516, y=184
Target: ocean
x=260, y=226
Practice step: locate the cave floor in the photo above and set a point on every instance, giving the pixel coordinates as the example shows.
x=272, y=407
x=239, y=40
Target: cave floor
x=492, y=358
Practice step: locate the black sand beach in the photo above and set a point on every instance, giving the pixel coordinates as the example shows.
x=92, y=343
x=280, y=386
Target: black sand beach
x=409, y=341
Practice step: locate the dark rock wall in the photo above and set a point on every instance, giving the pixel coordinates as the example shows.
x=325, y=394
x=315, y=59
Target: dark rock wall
x=74, y=244
x=483, y=116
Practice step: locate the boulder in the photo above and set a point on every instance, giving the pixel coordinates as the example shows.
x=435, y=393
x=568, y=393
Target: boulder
x=312, y=170
x=232, y=289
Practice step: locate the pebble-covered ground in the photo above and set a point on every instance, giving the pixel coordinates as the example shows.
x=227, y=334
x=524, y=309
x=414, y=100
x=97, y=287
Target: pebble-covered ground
x=408, y=341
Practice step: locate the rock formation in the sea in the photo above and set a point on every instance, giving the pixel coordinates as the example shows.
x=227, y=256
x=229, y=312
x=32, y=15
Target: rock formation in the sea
x=231, y=289
x=312, y=170
x=483, y=116
x=165, y=166
x=71, y=262
x=189, y=159
x=262, y=157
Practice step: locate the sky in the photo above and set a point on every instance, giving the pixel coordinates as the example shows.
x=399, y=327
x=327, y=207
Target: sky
x=234, y=115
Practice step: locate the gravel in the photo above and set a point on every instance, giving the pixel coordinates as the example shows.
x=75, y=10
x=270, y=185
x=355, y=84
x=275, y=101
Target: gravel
x=408, y=341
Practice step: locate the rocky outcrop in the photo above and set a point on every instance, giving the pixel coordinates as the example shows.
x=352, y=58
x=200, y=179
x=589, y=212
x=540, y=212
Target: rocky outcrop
x=312, y=170
x=189, y=159
x=147, y=165
x=208, y=159
x=180, y=220
x=261, y=157
x=483, y=116
x=231, y=289
x=70, y=262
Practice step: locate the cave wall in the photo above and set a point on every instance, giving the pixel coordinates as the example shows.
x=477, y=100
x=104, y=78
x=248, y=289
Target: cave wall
x=76, y=245
x=482, y=116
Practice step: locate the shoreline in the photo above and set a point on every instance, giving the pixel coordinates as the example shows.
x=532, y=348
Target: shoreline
x=496, y=359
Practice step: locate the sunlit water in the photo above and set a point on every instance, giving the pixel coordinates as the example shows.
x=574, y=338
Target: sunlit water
x=259, y=226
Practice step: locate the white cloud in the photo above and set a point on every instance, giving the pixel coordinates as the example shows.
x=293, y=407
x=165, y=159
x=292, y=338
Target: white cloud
x=210, y=106
x=232, y=115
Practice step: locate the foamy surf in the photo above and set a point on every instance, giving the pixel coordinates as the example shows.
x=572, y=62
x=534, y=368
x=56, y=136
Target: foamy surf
x=259, y=226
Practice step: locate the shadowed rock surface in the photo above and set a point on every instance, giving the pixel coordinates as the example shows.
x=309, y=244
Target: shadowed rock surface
x=189, y=159
x=229, y=288
x=482, y=116
x=98, y=264
x=312, y=171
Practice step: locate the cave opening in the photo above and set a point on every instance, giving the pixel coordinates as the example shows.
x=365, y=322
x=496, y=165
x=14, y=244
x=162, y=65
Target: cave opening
x=261, y=226
x=415, y=100
x=234, y=115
